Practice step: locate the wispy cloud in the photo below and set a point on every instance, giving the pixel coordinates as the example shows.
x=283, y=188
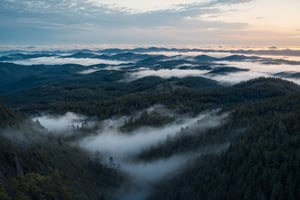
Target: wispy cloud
x=116, y=21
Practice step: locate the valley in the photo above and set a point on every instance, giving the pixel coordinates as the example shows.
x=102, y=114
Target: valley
x=149, y=123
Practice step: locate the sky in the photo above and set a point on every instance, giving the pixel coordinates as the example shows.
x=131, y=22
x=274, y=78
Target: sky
x=189, y=23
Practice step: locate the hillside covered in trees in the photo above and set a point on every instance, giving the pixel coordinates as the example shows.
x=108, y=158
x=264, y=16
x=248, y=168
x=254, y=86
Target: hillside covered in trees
x=263, y=163
x=37, y=166
x=127, y=129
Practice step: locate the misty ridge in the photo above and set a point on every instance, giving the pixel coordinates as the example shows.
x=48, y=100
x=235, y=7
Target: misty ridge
x=113, y=137
x=117, y=147
x=25, y=133
x=127, y=66
x=148, y=147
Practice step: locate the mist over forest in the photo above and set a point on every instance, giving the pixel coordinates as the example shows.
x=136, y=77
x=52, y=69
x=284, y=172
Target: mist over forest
x=149, y=123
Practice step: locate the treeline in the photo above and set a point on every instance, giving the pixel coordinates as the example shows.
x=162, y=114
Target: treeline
x=146, y=118
x=185, y=100
x=262, y=162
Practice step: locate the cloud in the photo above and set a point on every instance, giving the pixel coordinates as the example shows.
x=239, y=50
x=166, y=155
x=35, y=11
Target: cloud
x=130, y=22
x=91, y=21
x=134, y=6
x=109, y=6
x=231, y=1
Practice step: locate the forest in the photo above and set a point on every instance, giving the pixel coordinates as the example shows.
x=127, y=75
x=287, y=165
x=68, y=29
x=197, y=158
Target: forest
x=64, y=135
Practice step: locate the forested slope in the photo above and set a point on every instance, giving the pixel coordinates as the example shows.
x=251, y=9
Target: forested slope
x=262, y=131
x=34, y=165
x=264, y=163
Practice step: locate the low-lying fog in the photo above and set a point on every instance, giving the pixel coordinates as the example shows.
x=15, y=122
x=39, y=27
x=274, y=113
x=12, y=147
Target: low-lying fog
x=167, y=73
x=60, y=61
x=190, y=53
x=257, y=65
x=61, y=124
x=249, y=70
x=112, y=142
x=256, y=70
x=118, y=149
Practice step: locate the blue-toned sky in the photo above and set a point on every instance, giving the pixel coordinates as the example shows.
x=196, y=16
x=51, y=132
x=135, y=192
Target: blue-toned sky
x=151, y=22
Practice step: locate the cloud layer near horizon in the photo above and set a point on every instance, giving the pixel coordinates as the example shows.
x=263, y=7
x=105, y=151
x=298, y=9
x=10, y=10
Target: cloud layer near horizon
x=185, y=22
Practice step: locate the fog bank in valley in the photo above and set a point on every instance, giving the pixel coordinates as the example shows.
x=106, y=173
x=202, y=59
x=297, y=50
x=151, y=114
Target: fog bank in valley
x=111, y=141
x=116, y=148
x=62, y=124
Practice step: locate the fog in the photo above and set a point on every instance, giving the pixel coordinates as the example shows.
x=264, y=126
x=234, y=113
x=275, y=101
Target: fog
x=264, y=66
x=154, y=171
x=190, y=53
x=255, y=70
x=26, y=132
x=220, y=53
x=89, y=71
x=61, y=124
x=60, y=61
x=110, y=141
x=166, y=73
x=95, y=69
x=119, y=150
x=144, y=175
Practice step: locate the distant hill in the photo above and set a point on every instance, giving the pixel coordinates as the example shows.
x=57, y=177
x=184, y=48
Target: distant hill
x=21, y=56
x=226, y=70
x=196, y=82
x=242, y=139
x=295, y=75
x=239, y=58
x=205, y=58
x=198, y=93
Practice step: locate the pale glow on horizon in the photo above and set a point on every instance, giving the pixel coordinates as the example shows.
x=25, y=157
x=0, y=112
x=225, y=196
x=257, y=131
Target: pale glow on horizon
x=273, y=16
x=67, y=47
